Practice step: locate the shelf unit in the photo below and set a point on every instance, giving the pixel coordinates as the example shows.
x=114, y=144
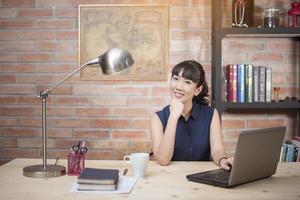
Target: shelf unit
x=218, y=34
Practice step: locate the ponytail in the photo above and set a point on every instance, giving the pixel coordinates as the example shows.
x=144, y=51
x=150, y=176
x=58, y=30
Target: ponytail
x=202, y=97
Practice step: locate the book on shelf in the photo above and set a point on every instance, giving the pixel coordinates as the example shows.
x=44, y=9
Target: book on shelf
x=268, y=84
x=241, y=83
x=297, y=154
x=296, y=141
x=231, y=83
x=290, y=154
x=283, y=153
x=98, y=179
x=262, y=84
x=290, y=151
x=255, y=83
x=248, y=83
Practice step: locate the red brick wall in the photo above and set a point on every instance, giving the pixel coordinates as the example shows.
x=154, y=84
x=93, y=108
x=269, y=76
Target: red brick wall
x=39, y=46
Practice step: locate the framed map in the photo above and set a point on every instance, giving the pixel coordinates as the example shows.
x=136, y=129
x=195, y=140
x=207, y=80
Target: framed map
x=141, y=29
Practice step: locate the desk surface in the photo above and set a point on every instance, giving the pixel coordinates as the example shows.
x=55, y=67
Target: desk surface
x=161, y=182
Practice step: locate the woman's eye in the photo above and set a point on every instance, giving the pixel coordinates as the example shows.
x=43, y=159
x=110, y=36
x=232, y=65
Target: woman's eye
x=175, y=78
x=188, y=82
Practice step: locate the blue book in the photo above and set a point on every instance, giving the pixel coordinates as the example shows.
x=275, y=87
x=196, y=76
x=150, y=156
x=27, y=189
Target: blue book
x=241, y=83
x=290, y=153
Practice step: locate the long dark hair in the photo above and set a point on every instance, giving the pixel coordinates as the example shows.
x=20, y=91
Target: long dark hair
x=193, y=71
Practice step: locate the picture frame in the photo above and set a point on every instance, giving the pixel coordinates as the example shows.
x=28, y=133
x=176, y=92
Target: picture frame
x=141, y=29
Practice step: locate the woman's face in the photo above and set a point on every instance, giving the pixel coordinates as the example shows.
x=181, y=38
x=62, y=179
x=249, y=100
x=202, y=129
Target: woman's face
x=183, y=89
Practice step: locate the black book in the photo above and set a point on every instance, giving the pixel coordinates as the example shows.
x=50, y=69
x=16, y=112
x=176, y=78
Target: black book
x=98, y=176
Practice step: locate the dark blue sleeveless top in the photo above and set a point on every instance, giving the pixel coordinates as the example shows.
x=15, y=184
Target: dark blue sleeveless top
x=192, y=136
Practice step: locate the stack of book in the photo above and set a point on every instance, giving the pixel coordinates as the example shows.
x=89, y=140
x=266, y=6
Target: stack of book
x=248, y=83
x=290, y=150
x=92, y=179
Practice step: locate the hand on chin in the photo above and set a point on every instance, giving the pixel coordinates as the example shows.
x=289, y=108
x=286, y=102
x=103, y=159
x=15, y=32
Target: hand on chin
x=176, y=107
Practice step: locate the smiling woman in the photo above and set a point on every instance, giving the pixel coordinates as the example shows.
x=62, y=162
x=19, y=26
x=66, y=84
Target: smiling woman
x=188, y=129
x=192, y=77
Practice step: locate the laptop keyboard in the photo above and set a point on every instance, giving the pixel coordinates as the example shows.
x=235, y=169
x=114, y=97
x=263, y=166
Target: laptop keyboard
x=218, y=175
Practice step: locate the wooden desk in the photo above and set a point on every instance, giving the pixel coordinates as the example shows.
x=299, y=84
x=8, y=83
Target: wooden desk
x=161, y=183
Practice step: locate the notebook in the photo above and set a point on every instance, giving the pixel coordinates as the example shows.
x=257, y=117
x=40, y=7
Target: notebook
x=256, y=157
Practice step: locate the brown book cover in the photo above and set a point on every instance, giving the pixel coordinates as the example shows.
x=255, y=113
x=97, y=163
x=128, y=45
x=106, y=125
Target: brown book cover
x=99, y=176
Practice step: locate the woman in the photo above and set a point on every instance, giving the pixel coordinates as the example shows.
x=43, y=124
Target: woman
x=188, y=129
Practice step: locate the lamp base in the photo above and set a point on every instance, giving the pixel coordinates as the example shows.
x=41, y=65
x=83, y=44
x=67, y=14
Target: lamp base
x=37, y=171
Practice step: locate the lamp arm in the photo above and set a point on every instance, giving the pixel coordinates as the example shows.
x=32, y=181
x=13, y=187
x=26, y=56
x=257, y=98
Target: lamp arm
x=44, y=93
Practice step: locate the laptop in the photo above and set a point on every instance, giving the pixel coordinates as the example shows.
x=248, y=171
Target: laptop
x=256, y=157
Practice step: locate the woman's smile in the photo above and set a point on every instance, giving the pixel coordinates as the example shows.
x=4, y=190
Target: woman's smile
x=178, y=95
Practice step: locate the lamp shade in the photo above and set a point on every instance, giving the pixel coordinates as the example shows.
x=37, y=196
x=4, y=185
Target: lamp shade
x=115, y=60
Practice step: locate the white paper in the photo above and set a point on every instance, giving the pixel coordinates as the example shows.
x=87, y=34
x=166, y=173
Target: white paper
x=125, y=185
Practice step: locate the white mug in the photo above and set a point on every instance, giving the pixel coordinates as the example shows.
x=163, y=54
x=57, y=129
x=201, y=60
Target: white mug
x=139, y=163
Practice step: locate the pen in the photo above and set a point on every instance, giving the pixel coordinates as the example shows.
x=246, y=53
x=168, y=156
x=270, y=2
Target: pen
x=125, y=172
x=56, y=161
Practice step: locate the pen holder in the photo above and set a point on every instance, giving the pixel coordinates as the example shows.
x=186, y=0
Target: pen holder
x=75, y=163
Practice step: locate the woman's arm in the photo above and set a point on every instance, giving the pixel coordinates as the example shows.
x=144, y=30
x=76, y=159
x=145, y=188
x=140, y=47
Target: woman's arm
x=216, y=142
x=163, y=142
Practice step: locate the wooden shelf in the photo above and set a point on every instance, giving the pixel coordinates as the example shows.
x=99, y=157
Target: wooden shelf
x=218, y=34
x=262, y=105
x=259, y=32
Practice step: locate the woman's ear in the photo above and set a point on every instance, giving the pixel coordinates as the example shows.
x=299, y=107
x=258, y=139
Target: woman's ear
x=198, y=90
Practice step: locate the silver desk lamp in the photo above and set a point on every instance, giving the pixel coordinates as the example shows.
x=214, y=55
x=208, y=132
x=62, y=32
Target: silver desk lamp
x=111, y=62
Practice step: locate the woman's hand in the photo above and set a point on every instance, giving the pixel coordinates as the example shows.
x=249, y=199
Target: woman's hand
x=176, y=108
x=226, y=163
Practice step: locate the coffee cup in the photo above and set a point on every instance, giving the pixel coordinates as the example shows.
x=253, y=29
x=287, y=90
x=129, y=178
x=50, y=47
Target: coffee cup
x=139, y=163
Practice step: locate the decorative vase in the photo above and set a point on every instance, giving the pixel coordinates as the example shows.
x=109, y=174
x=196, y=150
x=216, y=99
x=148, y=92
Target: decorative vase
x=294, y=15
x=242, y=13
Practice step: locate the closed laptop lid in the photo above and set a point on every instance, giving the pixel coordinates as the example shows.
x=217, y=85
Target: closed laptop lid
x=257, y=154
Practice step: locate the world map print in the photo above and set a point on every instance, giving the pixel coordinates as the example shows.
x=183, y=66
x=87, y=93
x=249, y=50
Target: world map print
x=142, y=30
